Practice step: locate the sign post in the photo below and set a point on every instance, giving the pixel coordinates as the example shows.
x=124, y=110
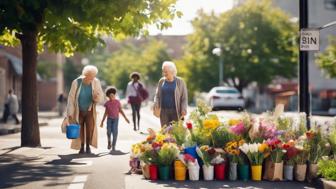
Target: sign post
x=310, y=40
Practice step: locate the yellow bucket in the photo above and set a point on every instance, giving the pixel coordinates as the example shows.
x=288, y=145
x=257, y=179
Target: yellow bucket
x=180, y=170
x=256, y=172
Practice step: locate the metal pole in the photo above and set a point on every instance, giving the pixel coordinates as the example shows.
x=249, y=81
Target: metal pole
x=304, y=96
x=221, y=69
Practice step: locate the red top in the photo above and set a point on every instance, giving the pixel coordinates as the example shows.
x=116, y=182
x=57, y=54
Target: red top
x=113, y=108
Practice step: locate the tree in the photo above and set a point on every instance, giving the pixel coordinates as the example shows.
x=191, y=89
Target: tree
x=69, y=26
x=146, y=59
x=257, y=41
x=327, y=59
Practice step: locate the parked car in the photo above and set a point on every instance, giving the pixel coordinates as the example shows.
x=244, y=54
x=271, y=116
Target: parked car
x=225, y=97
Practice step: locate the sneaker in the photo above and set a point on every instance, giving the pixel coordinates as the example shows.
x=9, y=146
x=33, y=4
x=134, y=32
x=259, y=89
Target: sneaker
x=88, y=150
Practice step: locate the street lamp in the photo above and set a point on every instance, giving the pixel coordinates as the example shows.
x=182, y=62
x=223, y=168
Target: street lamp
x=218, y=52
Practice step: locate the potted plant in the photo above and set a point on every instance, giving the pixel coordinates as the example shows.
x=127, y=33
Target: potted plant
x=274, y=164
x=327, y=168
x=193, y=167
x=149, y=157
x=232, y=149
x=166, y=156
x=256, y=153
x=289, y=158
x=207, y=154
x=301, y=159
x=317, y=147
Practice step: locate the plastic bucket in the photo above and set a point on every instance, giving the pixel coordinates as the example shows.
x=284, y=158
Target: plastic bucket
x=256, y=172
x=72, y=131
x=164, y=172
x=180, y=171
x=153, y=172
x=243, y=172
x=220, y=171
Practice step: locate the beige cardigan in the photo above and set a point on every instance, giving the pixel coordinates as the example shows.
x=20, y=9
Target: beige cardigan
x=73, y=109
x=181, y=96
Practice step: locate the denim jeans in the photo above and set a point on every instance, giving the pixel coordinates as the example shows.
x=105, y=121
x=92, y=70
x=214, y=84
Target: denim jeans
x=112, y=128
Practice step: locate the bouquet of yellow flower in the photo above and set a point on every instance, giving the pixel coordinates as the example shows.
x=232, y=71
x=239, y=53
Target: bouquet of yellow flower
x=167, y=154
x=232, y=149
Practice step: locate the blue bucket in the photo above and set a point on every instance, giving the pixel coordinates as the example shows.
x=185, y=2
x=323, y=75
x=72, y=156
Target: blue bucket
x=191, y=151
x=72, y=131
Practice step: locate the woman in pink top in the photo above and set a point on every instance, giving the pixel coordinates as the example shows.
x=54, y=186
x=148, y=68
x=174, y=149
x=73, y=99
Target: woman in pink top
x=112, y=110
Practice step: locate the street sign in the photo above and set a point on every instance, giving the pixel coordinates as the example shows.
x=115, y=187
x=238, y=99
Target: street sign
x=310, y=40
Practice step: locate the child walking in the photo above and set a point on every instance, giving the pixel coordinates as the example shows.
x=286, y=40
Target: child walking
x=112, y=110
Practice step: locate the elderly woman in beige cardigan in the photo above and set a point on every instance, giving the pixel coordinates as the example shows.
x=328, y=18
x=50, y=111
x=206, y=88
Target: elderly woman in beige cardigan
x=171, y=98
x=85, y=93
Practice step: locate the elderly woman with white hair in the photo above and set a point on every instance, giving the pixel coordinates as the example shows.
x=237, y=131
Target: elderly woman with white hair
x=85, y=93
x=171, y=98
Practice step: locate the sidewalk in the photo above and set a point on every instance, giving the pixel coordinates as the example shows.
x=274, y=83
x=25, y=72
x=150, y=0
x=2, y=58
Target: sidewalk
x=10, y=127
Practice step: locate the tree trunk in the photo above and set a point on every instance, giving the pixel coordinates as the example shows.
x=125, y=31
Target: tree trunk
x=30, y=133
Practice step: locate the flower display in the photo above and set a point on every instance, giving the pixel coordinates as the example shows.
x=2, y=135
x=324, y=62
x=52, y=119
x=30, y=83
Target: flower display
x=247, y=138
x=206, y=153
x=277, y=150
x=167, y=154
x=256, y=152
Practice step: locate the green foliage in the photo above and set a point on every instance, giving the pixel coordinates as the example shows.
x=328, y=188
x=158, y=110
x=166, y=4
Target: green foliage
x=332, y=141
x=326, y=59
x=46, y=69
x=327, y=168
x=179, y=132
x=71, y=72
x=221, y=136
x=88, y=21
x=150, y=157
x=146, y=59
x=167, y=155
x=258, y=44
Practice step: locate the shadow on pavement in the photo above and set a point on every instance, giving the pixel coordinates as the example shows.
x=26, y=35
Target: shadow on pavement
x=235, y=184
x=67, y=159
x=17, y=170
x=118, y=153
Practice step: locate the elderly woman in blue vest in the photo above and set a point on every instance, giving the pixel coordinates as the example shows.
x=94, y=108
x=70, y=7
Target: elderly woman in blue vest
x=85, y=93
x=171, y=98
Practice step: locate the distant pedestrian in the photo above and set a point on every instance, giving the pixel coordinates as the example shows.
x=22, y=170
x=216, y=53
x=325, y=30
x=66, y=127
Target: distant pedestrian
x=112, y=110
x=11, y=107
x=61, y=103
x=136, y=94
x=85, y=93
x=171, y=97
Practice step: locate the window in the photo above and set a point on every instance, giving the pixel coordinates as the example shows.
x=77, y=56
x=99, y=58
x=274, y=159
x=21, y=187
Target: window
x=330, y=4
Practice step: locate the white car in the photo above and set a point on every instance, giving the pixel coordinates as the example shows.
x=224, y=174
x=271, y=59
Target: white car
x=225, y=97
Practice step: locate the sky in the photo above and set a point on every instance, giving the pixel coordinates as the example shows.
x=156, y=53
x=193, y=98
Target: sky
x=182, y=26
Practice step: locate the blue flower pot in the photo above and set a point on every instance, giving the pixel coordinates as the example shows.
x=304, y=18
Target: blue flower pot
x=72, y=131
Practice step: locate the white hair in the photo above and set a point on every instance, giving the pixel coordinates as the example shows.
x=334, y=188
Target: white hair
x=171, y=65
x=90, y=69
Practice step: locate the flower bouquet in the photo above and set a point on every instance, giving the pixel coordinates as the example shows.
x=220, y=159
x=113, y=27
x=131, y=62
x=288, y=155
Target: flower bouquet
x=274, y=164
x=166, y=156
x=207, y=154
x=317, y=147
x=289, y=158
x=301, y=159
x=232, y=149
x=256, y=153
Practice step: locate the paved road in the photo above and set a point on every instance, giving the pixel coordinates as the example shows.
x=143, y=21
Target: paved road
x=57, y=166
